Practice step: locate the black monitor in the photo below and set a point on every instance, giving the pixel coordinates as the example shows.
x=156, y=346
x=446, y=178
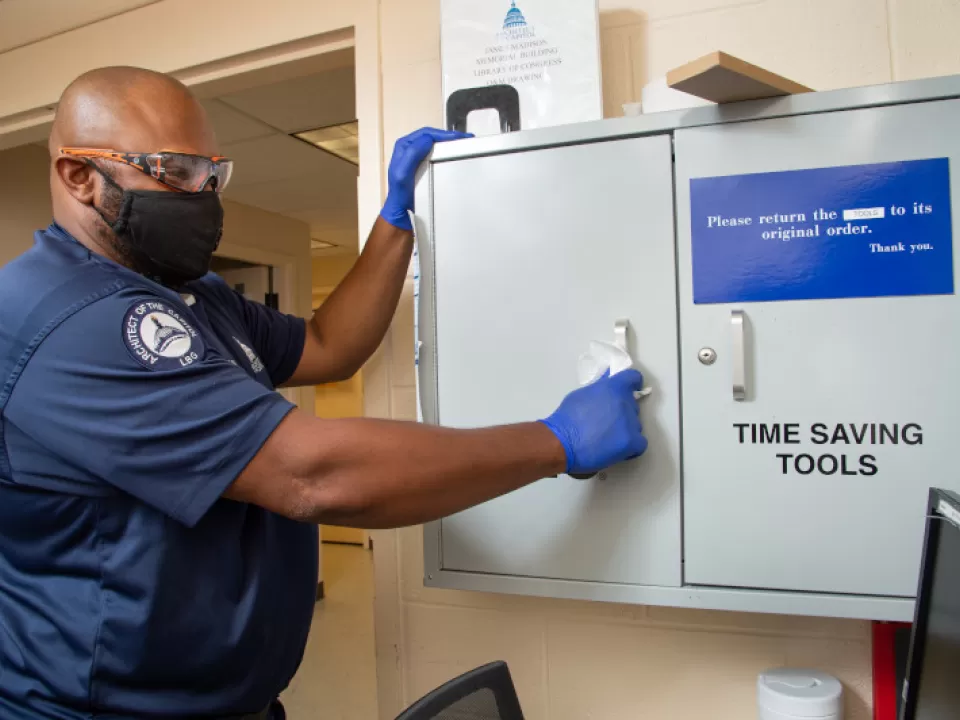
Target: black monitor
x=932, y=689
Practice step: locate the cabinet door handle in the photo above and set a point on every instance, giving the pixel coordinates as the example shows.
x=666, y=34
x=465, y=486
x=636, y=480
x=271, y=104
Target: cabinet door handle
x=621, y=333
x=620, y=330
x=739, y=356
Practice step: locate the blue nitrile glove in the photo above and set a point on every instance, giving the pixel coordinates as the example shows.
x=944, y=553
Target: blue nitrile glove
x=408, y=153
x=598, y=424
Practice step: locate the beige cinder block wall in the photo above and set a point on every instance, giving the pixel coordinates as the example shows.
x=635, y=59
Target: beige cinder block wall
x=578, y=660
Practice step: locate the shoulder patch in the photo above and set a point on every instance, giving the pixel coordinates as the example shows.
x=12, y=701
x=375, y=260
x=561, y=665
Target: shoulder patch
x=160, y=338
x=256, y=364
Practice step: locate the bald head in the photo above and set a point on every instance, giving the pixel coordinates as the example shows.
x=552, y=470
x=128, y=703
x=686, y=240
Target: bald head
x=131, y=110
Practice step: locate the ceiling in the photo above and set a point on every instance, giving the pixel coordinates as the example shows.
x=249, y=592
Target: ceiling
x=26, y=21
x=281, y=174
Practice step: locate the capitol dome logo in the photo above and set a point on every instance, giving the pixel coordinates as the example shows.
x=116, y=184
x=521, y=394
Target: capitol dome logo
x=515, y=25
x=256, y=364
x=165, y=335
x=515, y=18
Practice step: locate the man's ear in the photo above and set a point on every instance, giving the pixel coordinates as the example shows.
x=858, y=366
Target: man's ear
x=78, y=177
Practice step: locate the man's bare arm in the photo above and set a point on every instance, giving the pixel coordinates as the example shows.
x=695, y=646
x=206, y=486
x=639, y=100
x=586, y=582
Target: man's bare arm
x=381, y=473
x=348, y=327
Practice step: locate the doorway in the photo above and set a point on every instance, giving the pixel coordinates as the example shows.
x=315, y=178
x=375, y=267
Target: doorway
x=255, y=282
x=295, y=141
x=293, y=136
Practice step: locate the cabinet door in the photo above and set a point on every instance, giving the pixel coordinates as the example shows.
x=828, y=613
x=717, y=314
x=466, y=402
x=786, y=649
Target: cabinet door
x=536, y=254
x=816, y=478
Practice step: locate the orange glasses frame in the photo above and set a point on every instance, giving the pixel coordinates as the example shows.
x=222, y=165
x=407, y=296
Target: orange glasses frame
x=148, y=163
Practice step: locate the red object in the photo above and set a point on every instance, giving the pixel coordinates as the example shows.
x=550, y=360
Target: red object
x=885, y=686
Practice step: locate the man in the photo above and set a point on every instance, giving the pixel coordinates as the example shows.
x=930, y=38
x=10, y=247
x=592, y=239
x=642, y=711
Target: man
x=158, y=556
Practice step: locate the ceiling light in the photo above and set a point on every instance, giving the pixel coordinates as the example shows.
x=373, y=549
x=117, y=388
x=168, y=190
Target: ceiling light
x=320, y=244
x=340, y=140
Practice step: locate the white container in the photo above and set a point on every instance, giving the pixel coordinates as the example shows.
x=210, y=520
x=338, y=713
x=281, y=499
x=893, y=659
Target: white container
x=787, y=694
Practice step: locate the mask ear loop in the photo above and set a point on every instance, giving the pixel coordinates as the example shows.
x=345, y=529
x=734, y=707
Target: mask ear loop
x=120, y=224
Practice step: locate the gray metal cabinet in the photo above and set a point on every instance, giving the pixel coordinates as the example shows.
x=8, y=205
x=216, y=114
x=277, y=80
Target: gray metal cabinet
x=533, y=244
x=564, y=243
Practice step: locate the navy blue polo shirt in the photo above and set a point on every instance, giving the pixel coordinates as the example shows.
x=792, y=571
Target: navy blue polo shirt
x=128, y=587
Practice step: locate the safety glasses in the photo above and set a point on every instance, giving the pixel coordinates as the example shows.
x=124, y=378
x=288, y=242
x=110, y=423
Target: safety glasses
x=180, y=171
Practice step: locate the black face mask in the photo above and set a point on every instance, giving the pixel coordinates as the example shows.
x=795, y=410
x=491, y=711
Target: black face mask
x=169, y=236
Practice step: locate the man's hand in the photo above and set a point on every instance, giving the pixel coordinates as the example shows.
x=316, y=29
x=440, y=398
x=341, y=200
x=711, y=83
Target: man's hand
x=408, y=153
x=598, y=425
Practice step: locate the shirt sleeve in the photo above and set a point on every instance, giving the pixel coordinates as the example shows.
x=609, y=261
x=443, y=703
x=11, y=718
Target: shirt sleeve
x=128, y=392
x=278, y=338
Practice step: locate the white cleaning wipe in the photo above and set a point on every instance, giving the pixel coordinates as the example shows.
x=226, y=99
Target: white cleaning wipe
x=602, y=356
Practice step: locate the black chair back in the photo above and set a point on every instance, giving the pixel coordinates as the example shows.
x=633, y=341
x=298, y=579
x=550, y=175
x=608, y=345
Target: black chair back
x=486, y=693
